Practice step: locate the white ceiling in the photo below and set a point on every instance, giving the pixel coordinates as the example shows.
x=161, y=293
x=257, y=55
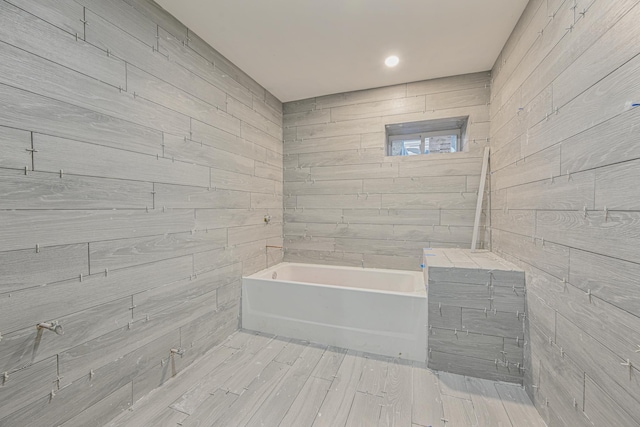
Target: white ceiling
x=300, y=49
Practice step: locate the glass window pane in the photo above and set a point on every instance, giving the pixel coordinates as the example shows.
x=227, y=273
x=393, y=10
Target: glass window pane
x=396, y=148
x=408, y=147
x=426, y=137
x=441, y=144
x=412, y=147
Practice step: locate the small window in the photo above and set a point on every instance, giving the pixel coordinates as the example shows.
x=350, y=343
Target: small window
x=426, y=137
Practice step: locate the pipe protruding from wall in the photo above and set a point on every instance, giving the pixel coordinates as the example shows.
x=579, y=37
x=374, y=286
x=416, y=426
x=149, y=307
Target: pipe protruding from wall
x=179, y=351
x=51, y=326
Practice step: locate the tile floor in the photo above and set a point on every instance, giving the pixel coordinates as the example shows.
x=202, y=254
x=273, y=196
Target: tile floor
x=253, y=379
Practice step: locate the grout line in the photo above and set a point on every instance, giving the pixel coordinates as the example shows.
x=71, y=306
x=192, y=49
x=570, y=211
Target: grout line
x=89, y=257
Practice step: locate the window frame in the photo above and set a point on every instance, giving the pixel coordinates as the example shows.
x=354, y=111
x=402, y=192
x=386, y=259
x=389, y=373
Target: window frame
x=422, y=136
x=425, y=129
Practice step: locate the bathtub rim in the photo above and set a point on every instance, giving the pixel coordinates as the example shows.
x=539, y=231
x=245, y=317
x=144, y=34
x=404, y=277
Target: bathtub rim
x=422, y=292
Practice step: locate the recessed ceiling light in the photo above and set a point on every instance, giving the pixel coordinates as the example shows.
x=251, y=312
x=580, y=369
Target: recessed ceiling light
x=392, y=61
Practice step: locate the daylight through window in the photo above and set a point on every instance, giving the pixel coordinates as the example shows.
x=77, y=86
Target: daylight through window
x=426, y=137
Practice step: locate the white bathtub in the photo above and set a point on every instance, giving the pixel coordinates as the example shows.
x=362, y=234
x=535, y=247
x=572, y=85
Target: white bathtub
x=376, y=311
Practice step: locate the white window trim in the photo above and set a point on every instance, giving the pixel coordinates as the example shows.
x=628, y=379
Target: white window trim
x=422, y=136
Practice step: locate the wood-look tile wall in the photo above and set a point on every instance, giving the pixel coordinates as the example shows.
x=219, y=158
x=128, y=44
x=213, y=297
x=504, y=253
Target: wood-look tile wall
x=136, y=167
x=346, y=202
x=476, y=312
x=565, y=169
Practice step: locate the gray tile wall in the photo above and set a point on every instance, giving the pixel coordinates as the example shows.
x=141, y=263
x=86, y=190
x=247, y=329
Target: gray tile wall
x=565, y=169
x=136, y=167
x=347, y=203
x=476, y=314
